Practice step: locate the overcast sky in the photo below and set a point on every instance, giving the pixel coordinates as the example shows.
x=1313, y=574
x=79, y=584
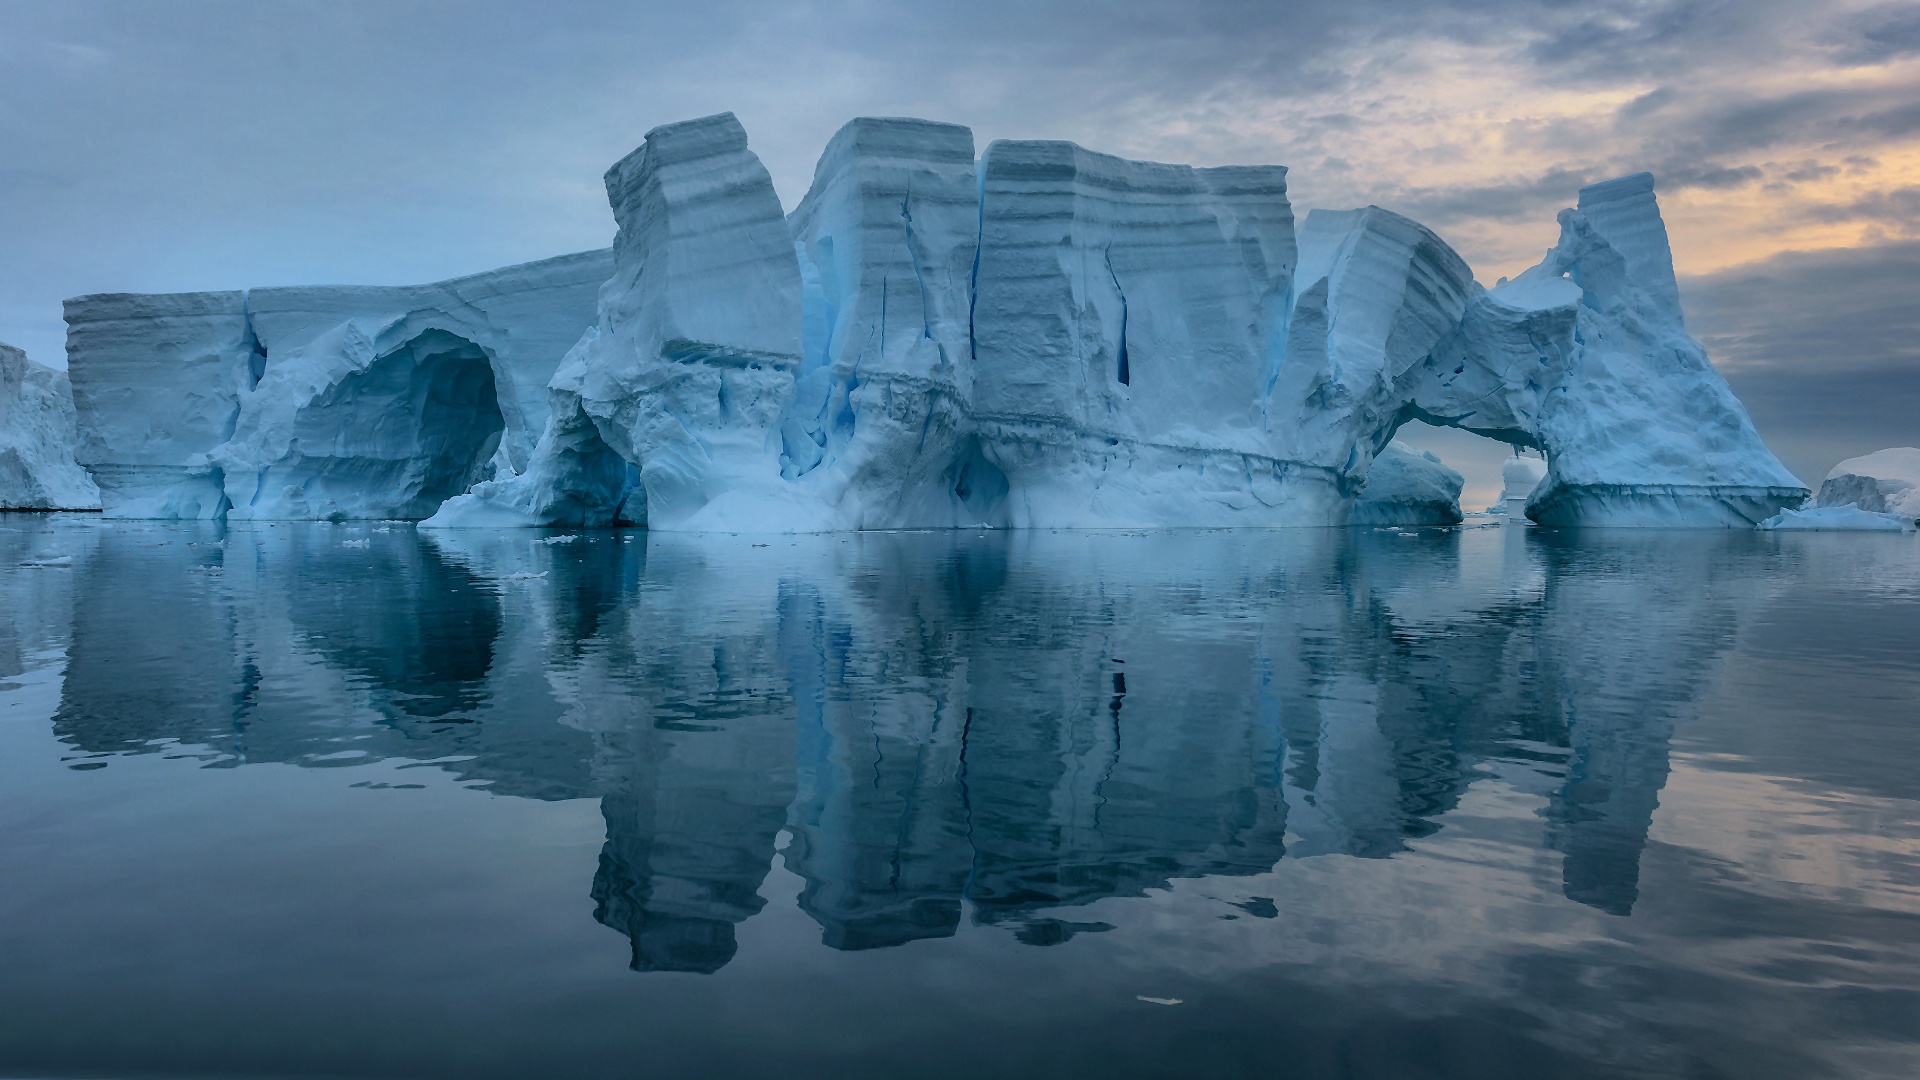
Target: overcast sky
x=176, y=146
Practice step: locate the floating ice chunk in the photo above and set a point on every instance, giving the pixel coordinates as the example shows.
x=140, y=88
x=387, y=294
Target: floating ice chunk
x=37, y=468
x=1885, y=481
x=1838, y=519
x=1406, y=486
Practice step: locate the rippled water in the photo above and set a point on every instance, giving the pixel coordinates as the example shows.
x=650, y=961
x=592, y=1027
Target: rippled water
x=355, y=800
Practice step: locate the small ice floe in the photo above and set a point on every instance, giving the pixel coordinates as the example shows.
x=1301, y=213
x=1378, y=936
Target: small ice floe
x=48, y=562
x=1157, y=1001
x=556, y=539
x=1837, y=519
x=356, y=543
x=523, y=576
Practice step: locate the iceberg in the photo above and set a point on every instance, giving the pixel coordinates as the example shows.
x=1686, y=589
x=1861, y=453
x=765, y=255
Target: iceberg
x=1520, y=475
x=1883, y=482
x=1586, y=357
x=1406, y=486
x=1041, y=336
x=37, y=467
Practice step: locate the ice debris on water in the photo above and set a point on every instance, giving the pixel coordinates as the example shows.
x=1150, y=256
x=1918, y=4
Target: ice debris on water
x=1036, y=336
x=1837, y=519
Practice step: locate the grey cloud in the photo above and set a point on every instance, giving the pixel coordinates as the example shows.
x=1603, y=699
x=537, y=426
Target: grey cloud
x=1878, y=35
x=1896, y=211
x=1822, y=347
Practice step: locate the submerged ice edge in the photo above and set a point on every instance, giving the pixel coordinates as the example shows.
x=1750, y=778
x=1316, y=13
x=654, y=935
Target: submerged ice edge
x=1043, y=336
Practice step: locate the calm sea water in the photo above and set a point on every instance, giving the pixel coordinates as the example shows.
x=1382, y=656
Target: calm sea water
x=354, y=800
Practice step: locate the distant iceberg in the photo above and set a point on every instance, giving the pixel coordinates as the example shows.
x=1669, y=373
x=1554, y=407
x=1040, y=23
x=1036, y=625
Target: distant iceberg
x=1039, y=336
x=1883, y=482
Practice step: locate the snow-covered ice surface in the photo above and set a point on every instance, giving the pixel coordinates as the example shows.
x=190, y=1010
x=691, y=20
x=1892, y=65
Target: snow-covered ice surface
x=1884, y=482
x=1838, y=519
x=37, y=469
x=1042, y=337
x=1406, y=486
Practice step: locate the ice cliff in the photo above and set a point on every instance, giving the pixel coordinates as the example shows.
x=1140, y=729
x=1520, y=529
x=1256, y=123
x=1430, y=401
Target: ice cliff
x=37, y=469
x=1043, y=336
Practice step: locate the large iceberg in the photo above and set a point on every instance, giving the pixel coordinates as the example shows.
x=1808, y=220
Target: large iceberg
x=1043, y=336
x=37, y=469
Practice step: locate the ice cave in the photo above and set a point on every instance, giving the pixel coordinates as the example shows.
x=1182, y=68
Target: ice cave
x=1037, y=335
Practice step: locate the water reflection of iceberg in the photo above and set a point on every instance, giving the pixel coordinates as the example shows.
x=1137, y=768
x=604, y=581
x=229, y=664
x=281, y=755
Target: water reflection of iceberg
x=984, y=726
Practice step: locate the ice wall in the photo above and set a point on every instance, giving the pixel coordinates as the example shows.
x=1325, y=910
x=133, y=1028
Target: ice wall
x=886, y=239
x=1125, y=315
x=323, y=401
x=37, y=468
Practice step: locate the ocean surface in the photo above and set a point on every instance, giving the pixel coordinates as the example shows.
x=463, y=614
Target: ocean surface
x=317, y=800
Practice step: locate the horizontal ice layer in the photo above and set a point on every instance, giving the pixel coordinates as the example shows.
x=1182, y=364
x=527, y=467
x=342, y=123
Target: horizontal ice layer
x=1585, y=356
x=1406, y=486
x=323, y=401
x=1124, y=317
x=1885, y=481
x=37, y=469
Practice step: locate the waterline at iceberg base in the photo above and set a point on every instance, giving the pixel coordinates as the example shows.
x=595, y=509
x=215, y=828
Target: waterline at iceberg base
x=1039, y=336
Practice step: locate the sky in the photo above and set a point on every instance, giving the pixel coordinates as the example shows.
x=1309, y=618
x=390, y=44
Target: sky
x=209, y=145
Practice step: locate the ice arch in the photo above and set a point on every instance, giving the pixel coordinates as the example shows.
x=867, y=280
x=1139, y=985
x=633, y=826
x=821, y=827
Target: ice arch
x=383, y=433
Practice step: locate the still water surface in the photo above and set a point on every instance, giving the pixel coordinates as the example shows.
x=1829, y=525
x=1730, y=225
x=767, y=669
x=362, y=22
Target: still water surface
x=353, y=800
